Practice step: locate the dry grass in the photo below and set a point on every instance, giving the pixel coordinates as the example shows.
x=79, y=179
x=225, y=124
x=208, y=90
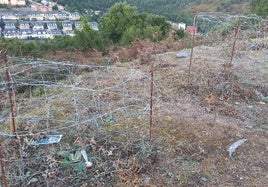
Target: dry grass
x=192, y=128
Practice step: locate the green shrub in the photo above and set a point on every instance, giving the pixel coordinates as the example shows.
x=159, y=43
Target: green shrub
x=180, y=33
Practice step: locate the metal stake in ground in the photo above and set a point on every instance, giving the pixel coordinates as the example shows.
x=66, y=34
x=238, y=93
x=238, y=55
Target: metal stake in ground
x=3, y=171
x=151, y=101
x=235, y=39
x=192, y=50
x=9, y=90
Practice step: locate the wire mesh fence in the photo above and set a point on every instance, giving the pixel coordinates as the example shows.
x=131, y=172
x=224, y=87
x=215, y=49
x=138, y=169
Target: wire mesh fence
x=104, y=110
x=82, y=103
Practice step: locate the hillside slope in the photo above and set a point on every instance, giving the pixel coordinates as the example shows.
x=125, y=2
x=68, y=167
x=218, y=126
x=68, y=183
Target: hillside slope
x=104, y=110
x=172, y=9
x=227, y=6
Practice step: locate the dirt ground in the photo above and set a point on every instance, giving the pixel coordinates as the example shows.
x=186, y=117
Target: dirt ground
x=199, y=122
x=194, y=123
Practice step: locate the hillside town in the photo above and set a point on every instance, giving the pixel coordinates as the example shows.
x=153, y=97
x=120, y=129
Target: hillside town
x=47, y=19
x=38, y=20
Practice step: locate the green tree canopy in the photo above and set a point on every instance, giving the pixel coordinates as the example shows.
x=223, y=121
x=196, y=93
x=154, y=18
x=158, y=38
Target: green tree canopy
x=117, y=20
x=55, y=8
x=2, y=24
x=88, y=38
x=120, y=26
x=161, y=24
x=122, y=23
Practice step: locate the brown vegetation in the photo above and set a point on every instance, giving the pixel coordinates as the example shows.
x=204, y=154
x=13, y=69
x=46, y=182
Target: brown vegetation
x=104, y=111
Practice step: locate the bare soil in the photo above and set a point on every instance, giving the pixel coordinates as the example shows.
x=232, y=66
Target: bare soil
x=193, y=124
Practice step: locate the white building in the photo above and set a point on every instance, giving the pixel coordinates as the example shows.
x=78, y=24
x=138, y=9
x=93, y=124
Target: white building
x=9, y=16
x=182, y=26
x=37, y=25
x=74, y=16
x=52, y=25
x=177, y=26
x=13, y=2
x=67, y=25
x=44, y=2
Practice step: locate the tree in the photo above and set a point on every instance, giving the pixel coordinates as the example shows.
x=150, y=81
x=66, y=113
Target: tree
x=161, y=24
x=180, y=33
x=122, y=24
x=59, y=24
x=17, y=24
x=88, y=38
x=2, y=24
x=130, y=34
x=55, y=8
x=117, y=20
x=45, y=26
x=27, y=2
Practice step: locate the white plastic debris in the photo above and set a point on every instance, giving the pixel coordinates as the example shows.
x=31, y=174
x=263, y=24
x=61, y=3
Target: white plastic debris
x=231, y=149
x=182, y=54
x=87, y=163
x=49, y=139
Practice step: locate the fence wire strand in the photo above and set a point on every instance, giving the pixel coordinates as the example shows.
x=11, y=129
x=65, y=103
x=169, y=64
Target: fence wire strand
x=97, y=105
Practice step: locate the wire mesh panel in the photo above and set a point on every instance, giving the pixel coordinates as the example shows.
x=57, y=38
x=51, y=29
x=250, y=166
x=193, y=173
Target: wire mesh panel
x=65, y=110
x=81, y=103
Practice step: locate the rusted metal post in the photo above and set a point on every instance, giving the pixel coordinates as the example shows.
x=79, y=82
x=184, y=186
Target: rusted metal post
x=10, y=91
x=3, y=171
x=151, y=101
x=192, y=50
x=233, y=48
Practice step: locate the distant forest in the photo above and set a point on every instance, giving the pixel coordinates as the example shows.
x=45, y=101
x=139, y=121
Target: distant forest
x=172, y=9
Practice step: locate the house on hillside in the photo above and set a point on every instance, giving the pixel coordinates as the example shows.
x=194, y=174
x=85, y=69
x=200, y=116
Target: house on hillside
x=55, y=32
x=40, y=7
x=182, y=26
x=62, y=16
x=37, y=25
x=24, y=25
x=67, y=25
x=24, y=33
x=13, y=2
x=35, y=16
x=78, y=25
x=49, y=16
x=10, y=24
x=51, y=4
x=97, y=12
x=94, y=25
x=69, y=32
x=52, y=25
x=40, y=34
x=9, y=16
x=177, y=26
x=74, y=16
x=44, y=2
x=11, y=33
x=191, y=29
